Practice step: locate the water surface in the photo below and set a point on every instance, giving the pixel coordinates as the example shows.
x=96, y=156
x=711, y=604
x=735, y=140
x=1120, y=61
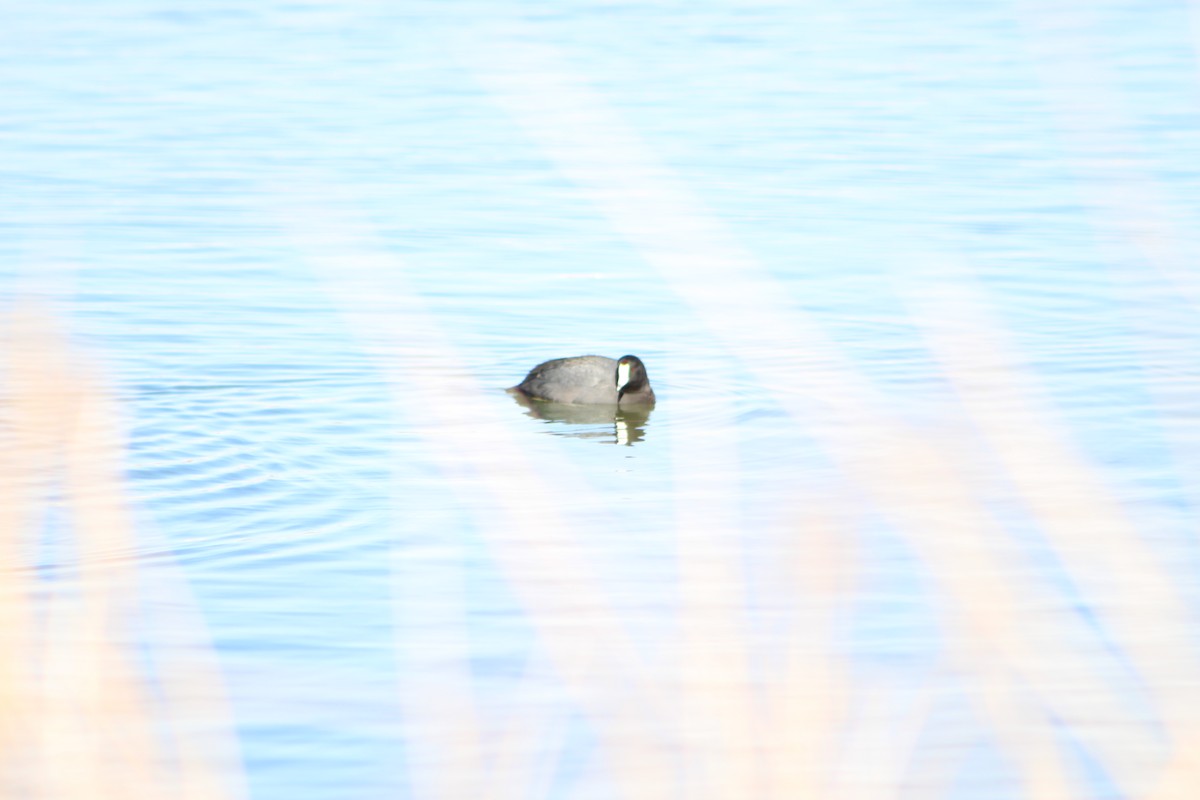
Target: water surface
x=914, y=283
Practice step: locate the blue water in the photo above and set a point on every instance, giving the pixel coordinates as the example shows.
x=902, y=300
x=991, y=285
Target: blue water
x=199, y=192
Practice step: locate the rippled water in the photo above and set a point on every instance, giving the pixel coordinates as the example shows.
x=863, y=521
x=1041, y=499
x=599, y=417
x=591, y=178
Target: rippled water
x=309, y=245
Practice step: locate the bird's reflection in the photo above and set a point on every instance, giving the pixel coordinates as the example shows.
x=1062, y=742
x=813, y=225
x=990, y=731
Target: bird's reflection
x=620, y=425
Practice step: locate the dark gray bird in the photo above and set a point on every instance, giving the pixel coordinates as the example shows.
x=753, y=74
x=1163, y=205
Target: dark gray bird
x=589, y=380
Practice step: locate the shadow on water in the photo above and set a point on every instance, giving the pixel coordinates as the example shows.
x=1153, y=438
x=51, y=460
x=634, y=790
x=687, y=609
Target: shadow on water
x=612, y=424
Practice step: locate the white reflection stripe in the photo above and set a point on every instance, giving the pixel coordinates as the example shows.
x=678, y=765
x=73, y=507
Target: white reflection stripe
x=943, y=515
x=534, y=538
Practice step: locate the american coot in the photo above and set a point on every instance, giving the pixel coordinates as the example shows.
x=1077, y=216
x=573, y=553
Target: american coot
x=589, y=380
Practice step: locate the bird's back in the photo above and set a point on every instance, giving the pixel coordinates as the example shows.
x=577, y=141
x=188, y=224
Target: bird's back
x=581, y=379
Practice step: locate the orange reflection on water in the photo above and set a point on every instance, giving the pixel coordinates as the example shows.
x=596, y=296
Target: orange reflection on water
x=93, y=703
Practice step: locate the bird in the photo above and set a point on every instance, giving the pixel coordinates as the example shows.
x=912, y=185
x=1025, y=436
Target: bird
x=589, y=380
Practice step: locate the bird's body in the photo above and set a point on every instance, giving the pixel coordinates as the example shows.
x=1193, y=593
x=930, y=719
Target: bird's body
x=589, y=380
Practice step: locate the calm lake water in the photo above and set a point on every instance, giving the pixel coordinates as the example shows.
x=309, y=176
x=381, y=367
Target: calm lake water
x=910, y=280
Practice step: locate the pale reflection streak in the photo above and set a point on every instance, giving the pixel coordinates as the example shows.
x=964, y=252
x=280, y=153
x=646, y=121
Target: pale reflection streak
x=1114, y=168
x=702, y=724
x=533, y=537
x=917, y=477
x=1101, y=548
x=83, y=715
